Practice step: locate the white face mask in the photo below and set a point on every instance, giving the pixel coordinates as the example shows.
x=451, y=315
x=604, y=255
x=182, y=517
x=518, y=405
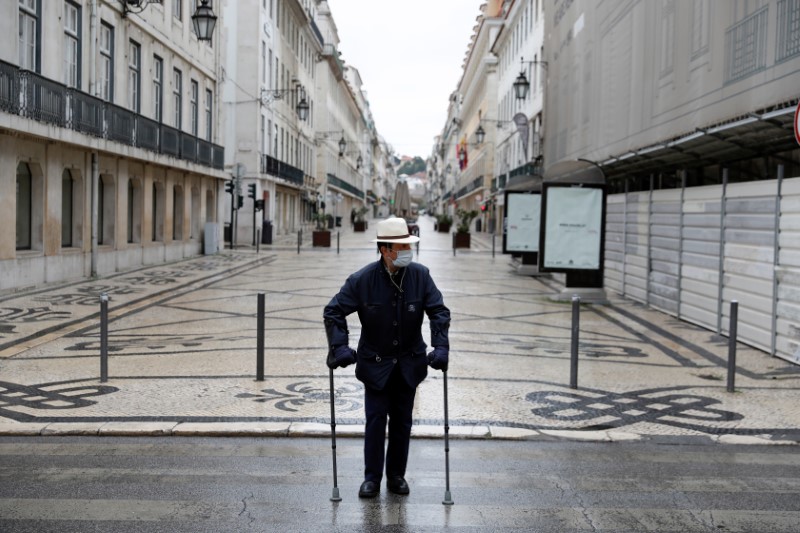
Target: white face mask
x=404, y=258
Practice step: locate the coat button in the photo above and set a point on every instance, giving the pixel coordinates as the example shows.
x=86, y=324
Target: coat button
x=394, y=342
x=394, y=361
x=394, y=323
x=377, y=358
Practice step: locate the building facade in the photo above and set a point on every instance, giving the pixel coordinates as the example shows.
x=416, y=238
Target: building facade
x=270, y=74
x=688, y=109
x=109, y=138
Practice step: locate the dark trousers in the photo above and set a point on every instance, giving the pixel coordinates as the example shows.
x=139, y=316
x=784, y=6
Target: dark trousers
x=395, y=401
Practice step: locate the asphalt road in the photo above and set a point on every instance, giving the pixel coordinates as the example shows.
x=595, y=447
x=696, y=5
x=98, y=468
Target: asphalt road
x=265, y=484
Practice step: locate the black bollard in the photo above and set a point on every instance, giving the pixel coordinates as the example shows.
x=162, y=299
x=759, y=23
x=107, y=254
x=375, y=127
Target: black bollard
x=337, y=242
x=260, y=338
x=299, y=239
x=732, y=326
x=103, y=337
x=258, y=240
x=576, y=318
x=493, y=236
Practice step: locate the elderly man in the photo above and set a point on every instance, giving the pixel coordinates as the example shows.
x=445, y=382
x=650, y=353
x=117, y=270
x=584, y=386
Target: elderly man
x=390, y=297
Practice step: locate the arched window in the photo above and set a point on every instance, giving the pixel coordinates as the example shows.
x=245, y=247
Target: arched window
x=134, y=210
x=106, y=210
x=67, y=203
x=158, y=215
x=155, y=213
x=177, y=213
x=210, y=205
x=195, y=224
x=24, y=206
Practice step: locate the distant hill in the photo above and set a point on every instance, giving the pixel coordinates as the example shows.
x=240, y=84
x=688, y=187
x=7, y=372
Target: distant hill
x=411, y=166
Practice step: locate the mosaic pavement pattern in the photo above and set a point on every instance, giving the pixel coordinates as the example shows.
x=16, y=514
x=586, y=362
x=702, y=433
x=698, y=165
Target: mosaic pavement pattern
x=182, y=348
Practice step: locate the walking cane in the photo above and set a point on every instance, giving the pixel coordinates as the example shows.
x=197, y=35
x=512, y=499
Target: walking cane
x=448, y=499
x=335, y=495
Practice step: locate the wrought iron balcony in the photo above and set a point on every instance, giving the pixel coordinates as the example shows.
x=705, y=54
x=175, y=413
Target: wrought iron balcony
x=32, y=96
x=276, y=167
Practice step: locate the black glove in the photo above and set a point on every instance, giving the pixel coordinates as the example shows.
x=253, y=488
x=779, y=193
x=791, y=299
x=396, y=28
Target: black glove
x=438, y=358
x=341, y=356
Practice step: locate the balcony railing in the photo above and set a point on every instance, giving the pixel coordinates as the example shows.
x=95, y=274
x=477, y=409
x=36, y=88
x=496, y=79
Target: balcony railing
x=32, y=96
x=746, y=46
x=341, y=184
x=276, y=167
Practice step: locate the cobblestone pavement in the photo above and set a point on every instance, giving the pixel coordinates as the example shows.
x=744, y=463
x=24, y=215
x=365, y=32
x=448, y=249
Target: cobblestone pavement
x=182, y=355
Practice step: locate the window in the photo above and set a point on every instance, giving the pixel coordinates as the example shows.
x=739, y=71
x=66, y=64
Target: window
x=194, y=105
x=155, y=214
x=134, y=76
x=177, y=213
x=264, y=63
x=106, y=62
x=67, y=190
x=177, y=9
x=131, y=209
x=667, y=36
x=177, y=83
x=788, y=43
x=28, y=35
x=209, y=107
x=268, y=68
x=106, y=210
x=746, y=46
x=72, y=45
x=700, y=29
x=158, y=88
x=24, y=206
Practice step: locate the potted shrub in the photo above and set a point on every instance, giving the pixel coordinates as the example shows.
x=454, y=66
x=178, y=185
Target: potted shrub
x=443, y=223
x=461, y=238
x=360, y=222
x=321, y=236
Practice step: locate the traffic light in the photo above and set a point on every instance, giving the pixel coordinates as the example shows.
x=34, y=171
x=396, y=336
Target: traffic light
x=240, y=203
x=229, y=187
x=259, y=205
x=251, y=191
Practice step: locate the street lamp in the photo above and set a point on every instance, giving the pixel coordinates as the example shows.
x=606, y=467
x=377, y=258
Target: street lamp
x=480, y=134
x=359, y=162
x=135, y=6
x=521, y=84
x=342, y=146
x=204, y=21
x=301, y=108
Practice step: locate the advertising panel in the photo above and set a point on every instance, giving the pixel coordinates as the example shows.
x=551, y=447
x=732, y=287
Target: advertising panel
x=572, y=237
x=523, y=213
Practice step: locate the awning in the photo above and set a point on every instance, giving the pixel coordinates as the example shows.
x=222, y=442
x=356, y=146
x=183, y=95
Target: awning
x=753, y=135
x=528, y=182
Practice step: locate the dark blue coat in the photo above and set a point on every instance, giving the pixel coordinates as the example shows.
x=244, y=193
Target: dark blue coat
x=391, y=321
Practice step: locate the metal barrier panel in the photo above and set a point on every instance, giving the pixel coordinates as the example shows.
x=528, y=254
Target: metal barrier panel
x=637, y=226
x=665, y=235
x=614, y=254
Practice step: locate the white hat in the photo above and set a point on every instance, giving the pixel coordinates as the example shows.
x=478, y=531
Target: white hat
x=394, y=229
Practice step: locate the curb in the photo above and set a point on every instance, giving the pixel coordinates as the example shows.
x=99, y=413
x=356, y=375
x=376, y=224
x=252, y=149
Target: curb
x=316, y=430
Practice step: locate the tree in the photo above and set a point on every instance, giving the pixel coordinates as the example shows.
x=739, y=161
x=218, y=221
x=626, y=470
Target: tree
x=411, y=166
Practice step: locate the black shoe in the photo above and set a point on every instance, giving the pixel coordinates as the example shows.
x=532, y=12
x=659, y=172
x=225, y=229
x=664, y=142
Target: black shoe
x=369, y=489
x=397, y=485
